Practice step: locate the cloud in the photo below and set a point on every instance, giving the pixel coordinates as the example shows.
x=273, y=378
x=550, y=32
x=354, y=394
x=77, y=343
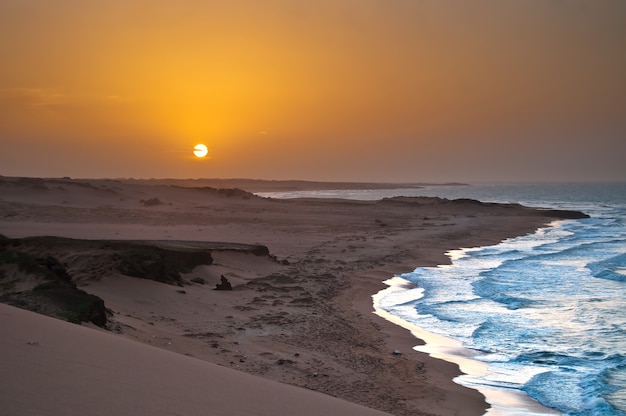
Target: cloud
x=34, y=111
x=35, y=97
x=31, y=97
x=30, y=109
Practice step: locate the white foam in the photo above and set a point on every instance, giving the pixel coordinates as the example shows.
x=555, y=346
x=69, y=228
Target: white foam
x=503, y=402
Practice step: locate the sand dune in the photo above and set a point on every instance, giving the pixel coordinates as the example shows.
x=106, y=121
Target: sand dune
x=50, y=367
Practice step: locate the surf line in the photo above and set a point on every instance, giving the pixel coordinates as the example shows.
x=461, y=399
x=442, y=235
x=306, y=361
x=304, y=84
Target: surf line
x=501, y=401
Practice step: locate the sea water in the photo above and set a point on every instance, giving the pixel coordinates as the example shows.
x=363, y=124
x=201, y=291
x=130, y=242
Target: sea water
x=542, y=315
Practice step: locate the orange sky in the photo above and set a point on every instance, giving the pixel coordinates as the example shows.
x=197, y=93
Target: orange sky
x=372, y=90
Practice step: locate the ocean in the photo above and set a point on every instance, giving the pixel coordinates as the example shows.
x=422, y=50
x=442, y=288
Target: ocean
x=540, y=316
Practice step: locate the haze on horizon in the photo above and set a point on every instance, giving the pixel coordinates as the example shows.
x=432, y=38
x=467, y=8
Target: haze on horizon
x=333, y=90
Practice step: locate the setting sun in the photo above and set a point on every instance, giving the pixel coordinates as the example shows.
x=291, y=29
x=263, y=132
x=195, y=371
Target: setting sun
x=200, y=151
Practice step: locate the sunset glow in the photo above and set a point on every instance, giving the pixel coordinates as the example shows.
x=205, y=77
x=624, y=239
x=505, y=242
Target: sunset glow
x=527, y=90
x=200, y=151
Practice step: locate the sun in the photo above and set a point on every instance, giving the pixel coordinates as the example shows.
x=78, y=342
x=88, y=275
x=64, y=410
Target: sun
x=200, y=150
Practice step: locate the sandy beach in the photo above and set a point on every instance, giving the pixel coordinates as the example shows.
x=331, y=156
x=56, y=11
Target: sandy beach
x=296, y=335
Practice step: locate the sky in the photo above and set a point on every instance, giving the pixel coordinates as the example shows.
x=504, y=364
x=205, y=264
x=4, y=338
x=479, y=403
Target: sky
x=331, y=90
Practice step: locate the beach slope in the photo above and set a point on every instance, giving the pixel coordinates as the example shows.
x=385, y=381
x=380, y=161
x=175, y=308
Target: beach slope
x=53, y=367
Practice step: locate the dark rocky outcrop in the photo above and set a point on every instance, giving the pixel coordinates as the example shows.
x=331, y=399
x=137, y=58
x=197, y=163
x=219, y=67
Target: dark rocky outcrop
x=55, y=267
x=224, y=284
x=160, y=264
x=508, y=208
x=227, y=192
x=76, y=305
x=151, y=202
x=43, y=274
x=562, y=214
x=198, y=280
x=45, y=286
x=161, y=261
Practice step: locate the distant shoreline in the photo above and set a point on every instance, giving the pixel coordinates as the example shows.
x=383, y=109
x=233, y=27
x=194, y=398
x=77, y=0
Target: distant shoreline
x=263, y=185
x=254, y=185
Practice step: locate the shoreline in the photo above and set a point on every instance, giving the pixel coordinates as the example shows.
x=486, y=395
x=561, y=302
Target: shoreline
x=501, y=401
x=444, y=359
x=303, y=316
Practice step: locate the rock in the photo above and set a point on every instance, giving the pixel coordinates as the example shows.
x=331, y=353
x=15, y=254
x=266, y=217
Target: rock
x=198, y=280
x=224, y=285
x=55, y=267
x=159, y=264
x=52, y=290
x=75, y=305
x=397, y=352
x=151, y=202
